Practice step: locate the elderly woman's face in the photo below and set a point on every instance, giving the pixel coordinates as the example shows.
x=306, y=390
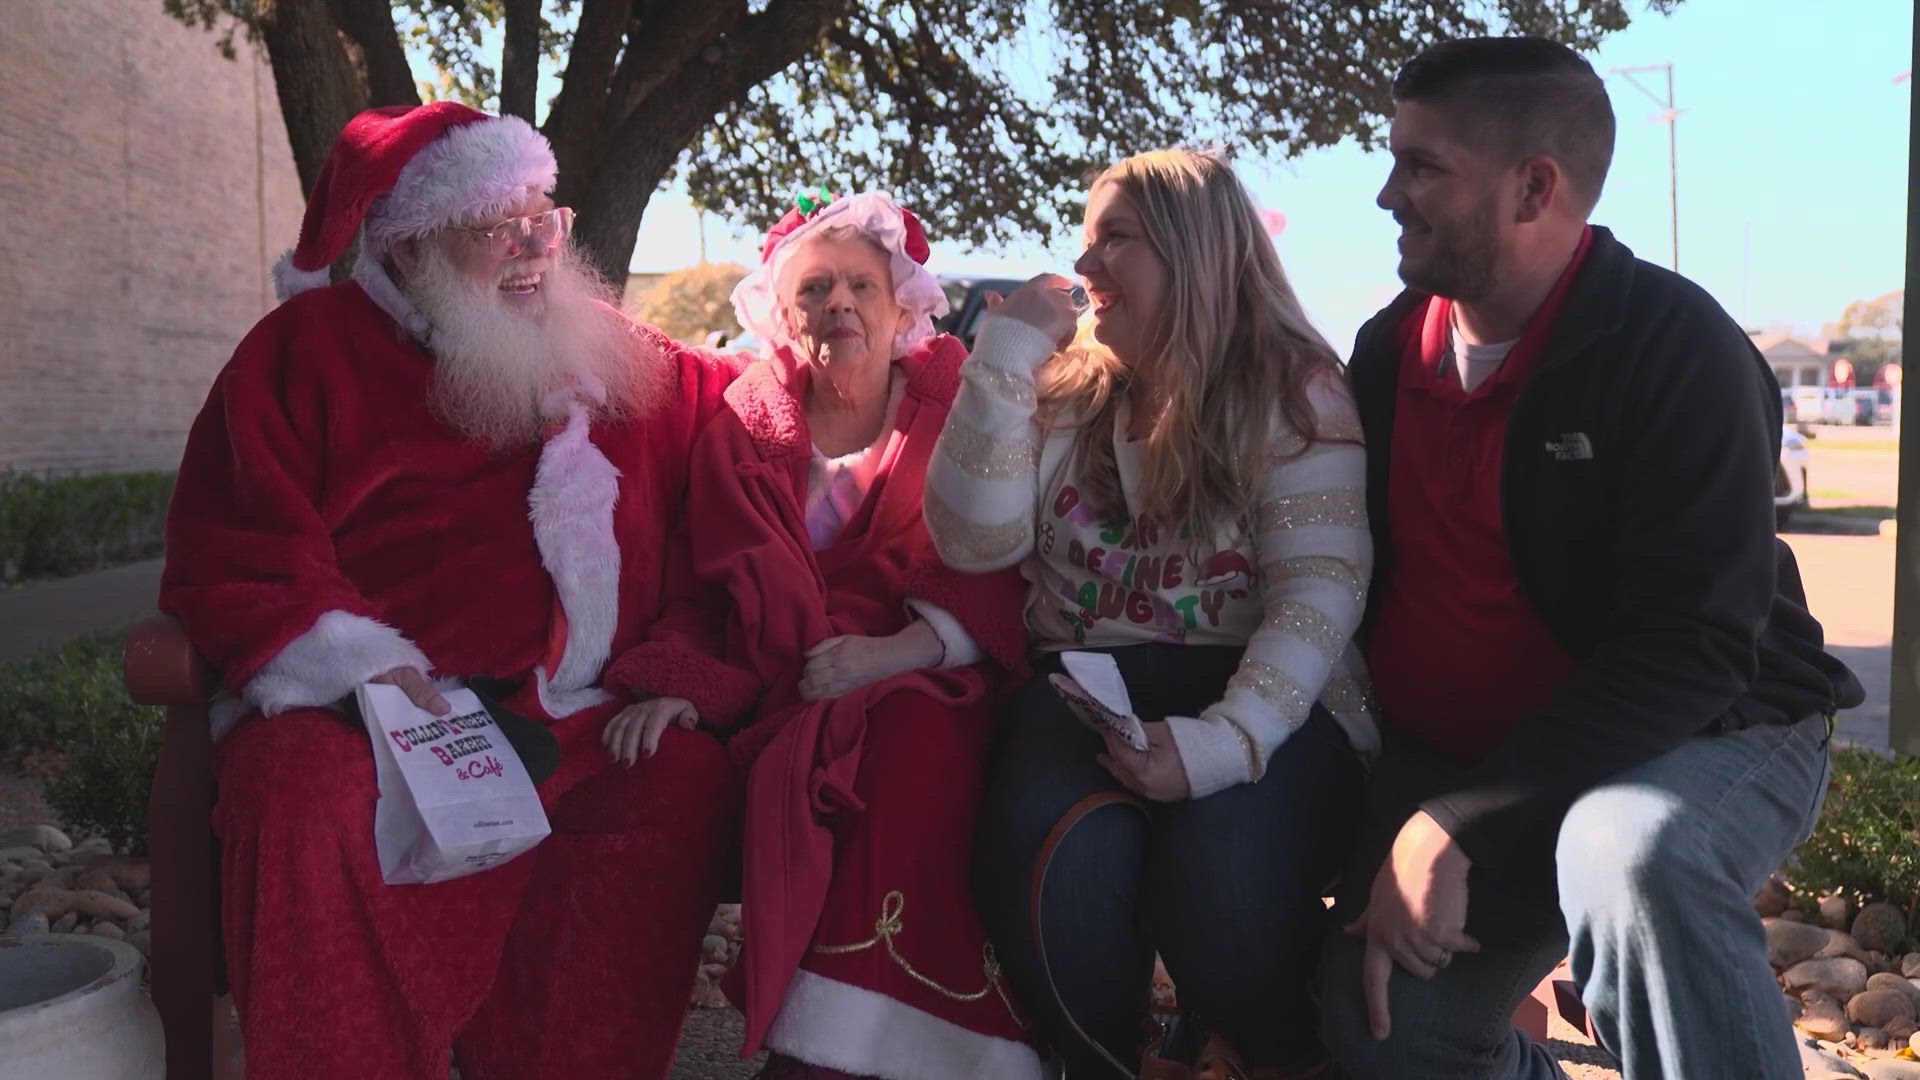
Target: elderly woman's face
x=837, y=301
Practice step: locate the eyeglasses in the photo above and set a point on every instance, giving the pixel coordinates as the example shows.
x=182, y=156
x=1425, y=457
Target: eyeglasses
x=510, y=237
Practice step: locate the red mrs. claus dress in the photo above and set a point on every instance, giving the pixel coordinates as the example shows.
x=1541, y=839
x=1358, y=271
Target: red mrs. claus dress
x=863, y=952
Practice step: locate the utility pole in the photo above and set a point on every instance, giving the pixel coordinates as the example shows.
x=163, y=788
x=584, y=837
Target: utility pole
x=1667, y=116
x=1903, y=713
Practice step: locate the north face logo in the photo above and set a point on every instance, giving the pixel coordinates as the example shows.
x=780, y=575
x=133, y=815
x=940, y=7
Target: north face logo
x=1573, y=446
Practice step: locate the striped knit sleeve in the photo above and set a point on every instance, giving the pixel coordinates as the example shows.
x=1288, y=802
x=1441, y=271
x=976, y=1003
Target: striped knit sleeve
x=982, y=480
x=1315, y=555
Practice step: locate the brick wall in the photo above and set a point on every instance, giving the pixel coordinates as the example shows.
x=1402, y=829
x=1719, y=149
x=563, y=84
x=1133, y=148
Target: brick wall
x=147, y=188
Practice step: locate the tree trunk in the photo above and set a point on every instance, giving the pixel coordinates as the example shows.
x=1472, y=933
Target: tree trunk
x=520, y=59
x=374, y=46
x=639, y=150
x=318, y=87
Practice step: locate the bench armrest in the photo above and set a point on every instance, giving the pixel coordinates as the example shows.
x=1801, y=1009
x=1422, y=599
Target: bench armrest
x=162, y=667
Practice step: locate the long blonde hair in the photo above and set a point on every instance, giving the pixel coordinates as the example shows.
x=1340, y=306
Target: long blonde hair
x=1230, y=343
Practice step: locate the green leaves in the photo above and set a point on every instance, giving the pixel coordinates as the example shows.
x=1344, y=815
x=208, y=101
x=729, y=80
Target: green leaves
x=1867, y=844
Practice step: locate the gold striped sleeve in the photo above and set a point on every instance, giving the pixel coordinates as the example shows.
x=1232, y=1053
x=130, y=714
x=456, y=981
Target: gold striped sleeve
x=1324, y=567
x=986, y=457
x=1311, y=625
x=1276, y=688
x=972, y=543
x=1009, y=386
x=1344, y=507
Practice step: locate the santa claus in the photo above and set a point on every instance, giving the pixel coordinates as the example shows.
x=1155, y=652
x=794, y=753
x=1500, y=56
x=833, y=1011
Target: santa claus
x=460, y=464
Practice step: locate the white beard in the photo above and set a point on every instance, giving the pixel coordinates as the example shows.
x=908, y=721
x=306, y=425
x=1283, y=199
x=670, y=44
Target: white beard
x=502, y=374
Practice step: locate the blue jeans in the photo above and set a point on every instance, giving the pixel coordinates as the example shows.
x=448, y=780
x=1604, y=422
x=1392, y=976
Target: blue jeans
x=1654, y=872
x=1226, y=888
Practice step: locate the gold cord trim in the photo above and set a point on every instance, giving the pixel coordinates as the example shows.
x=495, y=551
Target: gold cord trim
x=892, y=907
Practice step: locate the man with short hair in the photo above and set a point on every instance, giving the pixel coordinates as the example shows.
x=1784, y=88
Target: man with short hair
x=1594, y=659
x=461, y=464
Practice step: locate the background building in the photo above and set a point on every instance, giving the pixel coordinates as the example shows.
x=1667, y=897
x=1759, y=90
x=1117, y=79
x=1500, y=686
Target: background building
x=148, y=187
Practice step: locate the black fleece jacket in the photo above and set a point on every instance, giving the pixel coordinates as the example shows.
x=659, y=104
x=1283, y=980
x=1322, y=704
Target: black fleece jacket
x=1637, y=494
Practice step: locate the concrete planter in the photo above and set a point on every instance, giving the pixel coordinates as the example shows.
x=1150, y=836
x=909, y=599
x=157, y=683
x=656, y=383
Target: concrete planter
x=71, y=1005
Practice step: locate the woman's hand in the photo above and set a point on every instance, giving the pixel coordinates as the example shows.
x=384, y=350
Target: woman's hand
x=1044, y=303
x=1156, y=773
x=848, y=662
x=635, y=732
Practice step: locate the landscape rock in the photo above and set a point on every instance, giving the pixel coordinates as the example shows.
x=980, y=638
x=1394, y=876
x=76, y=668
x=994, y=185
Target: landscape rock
x=95, y=879
x=1880, y=927
x=1794, y=1007
x=65, y=924
x=139, y=921
x=1790, y=942
x=1841, y=943
x=1820, y=1064
x=1882, y=980
x=1878, y=1008
x=19, y=853
x=142, y=940
x=1823, y=1019
x=1873, y=1038
x=1840, y=976
x=109, y=930
x=1901, y=1030
x=1794, y=914
x=1772, y=899
x=43, y=837
x=105, y=847
x=1891, y=1069
x=1910, y=965
x=26, y=926
x=1835, y=912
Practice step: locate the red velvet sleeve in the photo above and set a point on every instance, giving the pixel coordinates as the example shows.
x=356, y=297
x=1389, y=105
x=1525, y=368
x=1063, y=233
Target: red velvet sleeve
x=990, y=606
x=250, y=562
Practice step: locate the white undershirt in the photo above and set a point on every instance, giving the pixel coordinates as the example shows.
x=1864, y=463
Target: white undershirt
x=1474, y=364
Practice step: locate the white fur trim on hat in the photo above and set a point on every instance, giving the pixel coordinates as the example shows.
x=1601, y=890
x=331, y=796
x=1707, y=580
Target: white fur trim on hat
x=756, y=301
x=472, y=171
x=289, y=281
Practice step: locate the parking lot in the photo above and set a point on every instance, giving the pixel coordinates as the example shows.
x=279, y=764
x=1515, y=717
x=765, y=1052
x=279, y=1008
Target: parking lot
x=1845, y=549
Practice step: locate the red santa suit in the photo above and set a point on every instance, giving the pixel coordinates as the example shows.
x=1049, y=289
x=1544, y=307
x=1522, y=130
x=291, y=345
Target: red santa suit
x=327, y=527
x=863, y=952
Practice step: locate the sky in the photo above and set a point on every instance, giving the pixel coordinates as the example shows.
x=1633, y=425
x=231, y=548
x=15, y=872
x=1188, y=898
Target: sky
x=1792, y=164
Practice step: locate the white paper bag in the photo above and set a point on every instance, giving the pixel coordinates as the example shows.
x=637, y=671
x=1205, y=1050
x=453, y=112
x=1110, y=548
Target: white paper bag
x=454, y=797
x=1094, y=689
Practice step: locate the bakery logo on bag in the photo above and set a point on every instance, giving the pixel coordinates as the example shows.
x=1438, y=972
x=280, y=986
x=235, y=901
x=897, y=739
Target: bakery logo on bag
x=458, y=746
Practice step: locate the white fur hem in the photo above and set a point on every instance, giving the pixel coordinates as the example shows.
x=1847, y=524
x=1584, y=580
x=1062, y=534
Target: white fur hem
x=564, y=703
x=960, y=648
x=841, y=1026
x=327, y=662
x=289, y=281
x=386, y=295
x=571, y=504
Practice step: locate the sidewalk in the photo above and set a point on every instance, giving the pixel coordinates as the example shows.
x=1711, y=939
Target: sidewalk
x=42, y=613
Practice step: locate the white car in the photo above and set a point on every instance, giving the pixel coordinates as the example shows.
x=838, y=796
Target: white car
x=1790, y=477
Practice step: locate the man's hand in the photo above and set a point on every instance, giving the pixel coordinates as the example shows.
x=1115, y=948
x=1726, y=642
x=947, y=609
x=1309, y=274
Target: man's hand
x=417, y=688
x=840, y=664
x=636, y=731
x=1416, y=915
x=1156, y=772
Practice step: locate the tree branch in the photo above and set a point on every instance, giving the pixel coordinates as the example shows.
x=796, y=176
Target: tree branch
x=573, y=127
x=520, y=59
x=375, y=50
x=661, y=46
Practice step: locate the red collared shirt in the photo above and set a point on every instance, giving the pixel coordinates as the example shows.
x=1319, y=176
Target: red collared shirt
x=1457, y=653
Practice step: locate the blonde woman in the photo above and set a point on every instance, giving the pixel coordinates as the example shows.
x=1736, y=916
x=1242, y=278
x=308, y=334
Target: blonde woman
x=1184, y=492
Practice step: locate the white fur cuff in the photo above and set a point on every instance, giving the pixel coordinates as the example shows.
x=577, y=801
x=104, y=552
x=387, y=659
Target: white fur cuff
x=326, y=663
x=958, y=646
x=289, y=281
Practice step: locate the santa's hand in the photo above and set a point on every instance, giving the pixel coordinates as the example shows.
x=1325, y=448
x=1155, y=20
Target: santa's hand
x=1046, y=304
x=636, y=731
x=840, y=664
x=417, y=688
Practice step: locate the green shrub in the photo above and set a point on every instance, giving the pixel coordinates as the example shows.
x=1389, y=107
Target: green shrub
x=65, y=716
x=1867, y=844
x=54, y=525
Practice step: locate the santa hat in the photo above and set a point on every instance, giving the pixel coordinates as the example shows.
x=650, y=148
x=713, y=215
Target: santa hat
x=407, y=170
x=878, y=218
